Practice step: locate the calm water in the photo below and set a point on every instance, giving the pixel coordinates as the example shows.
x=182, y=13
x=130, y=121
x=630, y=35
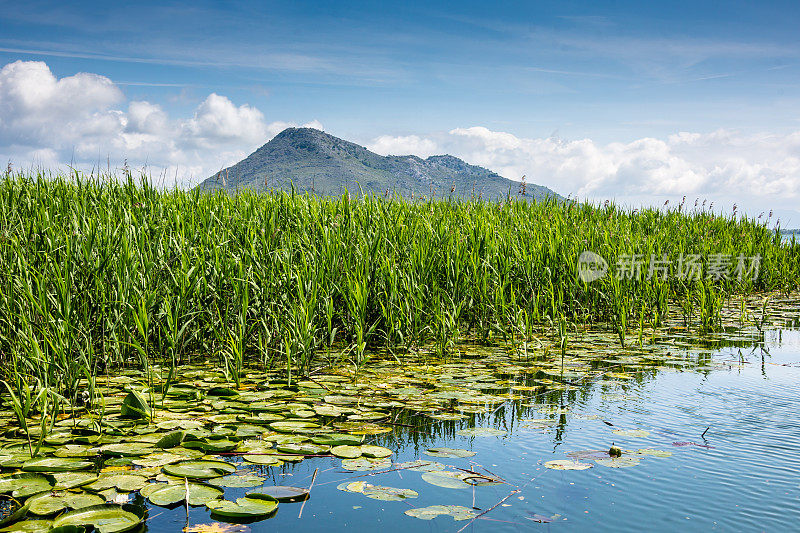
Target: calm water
x=744, y=476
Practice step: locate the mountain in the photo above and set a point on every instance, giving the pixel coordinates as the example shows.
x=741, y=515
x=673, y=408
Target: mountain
x=317, y=162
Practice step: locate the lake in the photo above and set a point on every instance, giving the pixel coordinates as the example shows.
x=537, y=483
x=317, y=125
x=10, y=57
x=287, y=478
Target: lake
x=725, y=418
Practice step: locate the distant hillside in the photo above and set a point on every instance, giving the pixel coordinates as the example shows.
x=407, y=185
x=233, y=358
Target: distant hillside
x=315, y=161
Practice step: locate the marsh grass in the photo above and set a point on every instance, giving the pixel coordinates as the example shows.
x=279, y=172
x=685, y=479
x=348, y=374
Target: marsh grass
x=97, y=274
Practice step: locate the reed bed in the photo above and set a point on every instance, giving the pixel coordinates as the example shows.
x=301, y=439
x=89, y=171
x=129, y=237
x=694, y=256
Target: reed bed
x=101, y=273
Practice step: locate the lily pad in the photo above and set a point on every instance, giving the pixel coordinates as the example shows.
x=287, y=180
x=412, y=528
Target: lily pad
x=456, y=511
x=55, y=464
x=366, y=463
x=253, y=505
x=53, y=502
x=166, y=494
x=26, y=484
x=346, y=452
x=265, y=459
x=127, y=449
x=378, y=492
x=72, y=480
x=650, y=452
x=292, y=426
x=567, y=464
x=200, y=469
x=122, y=482
x=447, y=479
x=283, y=493
x=337, y=439
x=449, y=452
x=303, y=448
x=420, y=465
x=135, y=406
x=618, y=462
x=375, y=451
x=170, y=440
x=106, y=518
x=238, y=481
x=29, y=526
x=160, y=459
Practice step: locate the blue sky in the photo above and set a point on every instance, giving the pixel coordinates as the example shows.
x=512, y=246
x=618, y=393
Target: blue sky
x=613, y=72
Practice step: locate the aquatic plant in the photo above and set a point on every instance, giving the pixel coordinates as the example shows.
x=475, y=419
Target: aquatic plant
x=99, y=273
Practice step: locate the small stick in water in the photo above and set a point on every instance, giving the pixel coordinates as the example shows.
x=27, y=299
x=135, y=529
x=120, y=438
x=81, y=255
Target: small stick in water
x=703, y=434
x=313, y=479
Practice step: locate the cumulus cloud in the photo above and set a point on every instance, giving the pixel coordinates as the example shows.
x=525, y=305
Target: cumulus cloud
x=85, y=119
x=756, y=170
x=403, y=145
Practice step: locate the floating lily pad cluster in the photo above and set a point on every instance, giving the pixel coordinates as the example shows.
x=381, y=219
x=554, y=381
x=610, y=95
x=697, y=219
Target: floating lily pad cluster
x=188, y=441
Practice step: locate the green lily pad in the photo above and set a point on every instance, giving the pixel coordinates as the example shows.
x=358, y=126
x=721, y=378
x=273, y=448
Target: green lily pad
x=170, y=440
x=283, y=493
x=49, y=503
x=378, y=492
x=567, y=464
x=346, y=452
x=221, y=391
x=650, y=452
x=456, y=511
x=26, y=484
x=135, y=406
x=481, y=432
x=55, y=464
x=160, y=459
x=303, y=448
x=362, y=428
x=166, y=494
x=72, y=480
x=200, y=469
x=253, y=505
x=366, y=463
x=618, y=462
x=337, y=439
x=106, y=518
x=127, y=449
x=29, y=526
x=449, y=452
x=328, y=410
x=375, y=451
x=292, y=426
x=76, y=450
x=122, y=482
x=238, y=481
x=265, y=459
x=447, y=479
x=420, y=465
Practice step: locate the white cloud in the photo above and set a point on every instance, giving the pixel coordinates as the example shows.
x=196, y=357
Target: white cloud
x=756, y=171
x=403, y=145
x=85, y=120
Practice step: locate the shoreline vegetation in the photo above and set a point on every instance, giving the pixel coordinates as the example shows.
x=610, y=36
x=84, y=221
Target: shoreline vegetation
x=99, y=274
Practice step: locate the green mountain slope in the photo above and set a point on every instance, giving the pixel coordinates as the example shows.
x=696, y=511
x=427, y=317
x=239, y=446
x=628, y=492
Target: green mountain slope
x=326, y=165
